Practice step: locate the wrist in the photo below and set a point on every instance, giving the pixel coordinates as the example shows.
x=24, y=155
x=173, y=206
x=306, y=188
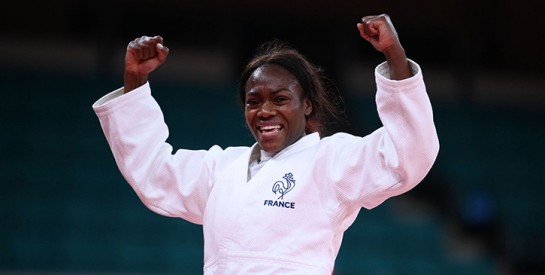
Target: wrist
x=398, y=63
x=133, y=81
x=395, y=54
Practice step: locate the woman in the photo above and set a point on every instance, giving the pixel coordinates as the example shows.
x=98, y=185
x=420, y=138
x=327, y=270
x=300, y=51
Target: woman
x=282, y=205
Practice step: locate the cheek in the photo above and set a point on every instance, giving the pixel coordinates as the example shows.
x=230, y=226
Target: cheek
x=298, y=119
x=249, y=115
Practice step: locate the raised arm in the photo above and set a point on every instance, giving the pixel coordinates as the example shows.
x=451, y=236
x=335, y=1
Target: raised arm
x=380, y=32
x=143, y=56
x=396, y=157
x=170, y=184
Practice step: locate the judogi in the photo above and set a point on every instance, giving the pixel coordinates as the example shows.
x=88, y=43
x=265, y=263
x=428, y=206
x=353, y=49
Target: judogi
x=280, y=214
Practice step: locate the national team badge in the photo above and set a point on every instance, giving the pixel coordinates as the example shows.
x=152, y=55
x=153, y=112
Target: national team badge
x=283, y=187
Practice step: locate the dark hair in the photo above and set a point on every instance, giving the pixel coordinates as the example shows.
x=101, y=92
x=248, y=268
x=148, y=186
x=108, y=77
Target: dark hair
x=325, y=98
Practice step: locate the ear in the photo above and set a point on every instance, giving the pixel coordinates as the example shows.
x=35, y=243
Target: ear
x=308, y=106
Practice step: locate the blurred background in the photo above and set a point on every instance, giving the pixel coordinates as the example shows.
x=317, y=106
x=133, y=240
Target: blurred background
x=64, y=207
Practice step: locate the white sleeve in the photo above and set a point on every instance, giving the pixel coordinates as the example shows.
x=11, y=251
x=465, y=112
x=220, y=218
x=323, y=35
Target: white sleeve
x=171, y=185
x=394, y=158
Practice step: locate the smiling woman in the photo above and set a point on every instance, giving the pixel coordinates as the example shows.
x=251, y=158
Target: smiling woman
x=276, y=109
x=324, y=99
x=282, y=204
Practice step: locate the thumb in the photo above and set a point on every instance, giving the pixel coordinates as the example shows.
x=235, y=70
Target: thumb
x=162, y=52
x=362, y=32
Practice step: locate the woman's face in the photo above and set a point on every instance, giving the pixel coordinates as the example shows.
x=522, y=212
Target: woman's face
x=275, y=110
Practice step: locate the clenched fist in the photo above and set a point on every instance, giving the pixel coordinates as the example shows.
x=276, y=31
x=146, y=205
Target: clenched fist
x=380, y=32
x=143, y=56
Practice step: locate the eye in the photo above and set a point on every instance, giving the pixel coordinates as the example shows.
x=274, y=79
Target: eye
x=280, y=99
x=252, y=102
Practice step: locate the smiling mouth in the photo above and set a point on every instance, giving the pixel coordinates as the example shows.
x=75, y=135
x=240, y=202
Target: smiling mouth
x=270, y=129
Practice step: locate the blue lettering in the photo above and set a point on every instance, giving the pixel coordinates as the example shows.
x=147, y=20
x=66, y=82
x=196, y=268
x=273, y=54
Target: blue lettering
x=279, y=204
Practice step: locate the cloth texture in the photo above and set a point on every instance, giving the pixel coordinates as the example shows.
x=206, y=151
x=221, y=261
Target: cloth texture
x=287, y=216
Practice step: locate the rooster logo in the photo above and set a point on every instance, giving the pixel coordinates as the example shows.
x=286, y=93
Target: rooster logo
x=283, y=188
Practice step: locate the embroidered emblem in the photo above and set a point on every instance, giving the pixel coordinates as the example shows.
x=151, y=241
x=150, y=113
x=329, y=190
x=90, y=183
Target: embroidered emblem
x=283, y=188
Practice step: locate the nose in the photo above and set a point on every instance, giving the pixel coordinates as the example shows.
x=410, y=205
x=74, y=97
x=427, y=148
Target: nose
x=266, y=110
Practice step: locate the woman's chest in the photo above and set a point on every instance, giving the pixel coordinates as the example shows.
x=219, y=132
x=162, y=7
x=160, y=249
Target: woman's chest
x=282, y=198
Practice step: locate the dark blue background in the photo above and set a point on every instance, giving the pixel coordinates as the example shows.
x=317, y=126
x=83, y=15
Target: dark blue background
x=65, y=208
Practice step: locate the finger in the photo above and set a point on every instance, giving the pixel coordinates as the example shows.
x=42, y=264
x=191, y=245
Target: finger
x=162, y=52
x=152, y=43
x=157, y=39
x=143, y=45
x=134, y=49
x=370, y=27
x=152, y=51
x=362, y=31
x=137, y=53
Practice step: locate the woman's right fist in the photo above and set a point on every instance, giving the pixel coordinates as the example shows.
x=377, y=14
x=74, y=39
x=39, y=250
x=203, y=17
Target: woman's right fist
x=143, y=56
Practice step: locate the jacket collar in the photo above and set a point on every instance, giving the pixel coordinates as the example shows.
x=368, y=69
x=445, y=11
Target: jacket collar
x=301, y=144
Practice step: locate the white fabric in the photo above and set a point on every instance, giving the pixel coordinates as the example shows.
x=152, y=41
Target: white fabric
x=257, y=161
x=290, y=216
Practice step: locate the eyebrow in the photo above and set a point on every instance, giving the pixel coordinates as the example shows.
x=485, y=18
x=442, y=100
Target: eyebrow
x=255, y=92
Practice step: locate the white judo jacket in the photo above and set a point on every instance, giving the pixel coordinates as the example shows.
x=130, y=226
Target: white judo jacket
x=290, y=217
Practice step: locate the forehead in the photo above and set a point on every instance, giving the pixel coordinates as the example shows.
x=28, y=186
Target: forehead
x=271, y=76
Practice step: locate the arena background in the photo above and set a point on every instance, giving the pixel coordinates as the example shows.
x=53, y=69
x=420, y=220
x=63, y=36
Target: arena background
x=64, y=207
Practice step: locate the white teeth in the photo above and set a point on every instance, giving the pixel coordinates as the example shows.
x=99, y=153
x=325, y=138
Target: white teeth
x=269, y=128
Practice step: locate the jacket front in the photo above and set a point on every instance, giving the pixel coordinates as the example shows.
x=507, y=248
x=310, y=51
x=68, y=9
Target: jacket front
x=290, y=216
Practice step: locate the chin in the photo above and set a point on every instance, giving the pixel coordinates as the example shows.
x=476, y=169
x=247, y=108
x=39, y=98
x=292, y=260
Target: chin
x=271, y=149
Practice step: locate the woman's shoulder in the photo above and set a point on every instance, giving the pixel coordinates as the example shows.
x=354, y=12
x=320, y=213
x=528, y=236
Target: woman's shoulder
x=229, y=153
x=342, y=142
x=339, y=137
